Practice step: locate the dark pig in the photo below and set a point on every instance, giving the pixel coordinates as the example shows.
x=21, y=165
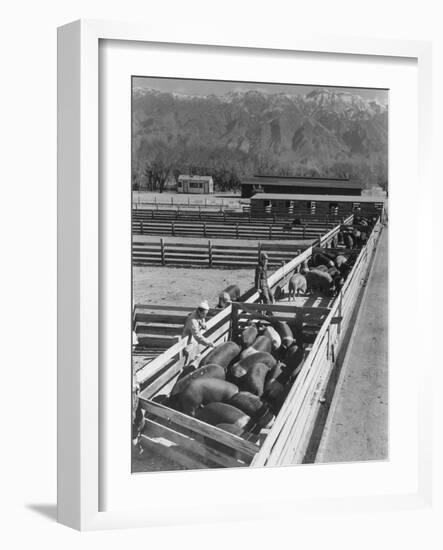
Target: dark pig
x=319, y=281
x=247, y=402
x=248, y=336
x=284, y=332
x=203, y=391
x=348, y=240
x=222, y=355
x=208, y=371
x=231, y=428
x=222, y=413
x=321, y=259
x=275, y=395
x=274, y=336
x=262, y=343
x=239, y=369
x=254, y=380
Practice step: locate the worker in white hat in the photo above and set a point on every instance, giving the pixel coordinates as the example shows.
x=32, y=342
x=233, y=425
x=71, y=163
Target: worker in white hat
x=195, y=325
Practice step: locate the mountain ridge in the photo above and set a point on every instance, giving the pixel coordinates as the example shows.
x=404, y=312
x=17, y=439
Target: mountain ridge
x=323, y=133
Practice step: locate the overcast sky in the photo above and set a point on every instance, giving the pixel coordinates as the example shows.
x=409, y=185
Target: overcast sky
x=218, y=87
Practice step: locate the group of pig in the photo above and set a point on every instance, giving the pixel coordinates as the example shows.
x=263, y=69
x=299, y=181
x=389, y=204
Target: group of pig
x=241, y=385
x=323, y=272
x=326, y=272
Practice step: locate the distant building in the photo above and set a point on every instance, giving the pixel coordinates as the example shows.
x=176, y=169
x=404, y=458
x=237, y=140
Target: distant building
x=279, y=204
x=299, y=185
x=195, y=184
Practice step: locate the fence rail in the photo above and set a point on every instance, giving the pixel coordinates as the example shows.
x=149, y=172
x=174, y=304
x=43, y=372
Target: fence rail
x=171, y=253
x=229, y=216
x=256, y=231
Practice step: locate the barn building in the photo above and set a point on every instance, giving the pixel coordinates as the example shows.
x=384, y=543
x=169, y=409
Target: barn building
x=281, y=204
x=195, y=184
x=300, y=185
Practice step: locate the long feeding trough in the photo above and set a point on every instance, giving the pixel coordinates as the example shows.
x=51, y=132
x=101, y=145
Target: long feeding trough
x=287, y=434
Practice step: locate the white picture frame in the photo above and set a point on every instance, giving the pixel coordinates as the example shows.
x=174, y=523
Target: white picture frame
x=79, y=257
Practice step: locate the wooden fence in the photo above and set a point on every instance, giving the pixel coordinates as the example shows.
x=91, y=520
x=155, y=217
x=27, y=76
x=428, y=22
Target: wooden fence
x=255, y=231
x=229, y=216
x=171, y=253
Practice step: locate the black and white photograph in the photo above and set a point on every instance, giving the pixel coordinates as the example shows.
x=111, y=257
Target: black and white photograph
x=259, y=232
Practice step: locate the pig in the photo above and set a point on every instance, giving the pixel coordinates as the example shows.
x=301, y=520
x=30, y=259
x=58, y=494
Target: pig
x=262, y=343
x=239, y=369
x=229, y=294
x=203, y=391
x=285, y=333
x=340, y=260
x=279, y=293
x=348, y=240
x=247, y=402
x=297, y=284
x=208, y=371
x=276, y=373
x=231, y=428
x=248, y=336
x=337, y=278
x=293, y=358
x=319, y=281
x=274, y=336
x=321, y=259
x=222, y=355
x=222, y=413
x=254, y=380
x=275, y=395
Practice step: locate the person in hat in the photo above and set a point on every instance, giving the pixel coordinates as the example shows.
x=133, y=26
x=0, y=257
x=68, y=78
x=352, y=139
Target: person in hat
x=261, y=279
x=193, y=329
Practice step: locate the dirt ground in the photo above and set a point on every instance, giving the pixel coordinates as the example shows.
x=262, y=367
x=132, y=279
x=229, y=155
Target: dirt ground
x=185, y=286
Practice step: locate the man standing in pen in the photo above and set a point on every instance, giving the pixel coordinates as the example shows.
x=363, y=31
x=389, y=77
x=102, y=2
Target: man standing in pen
x=261, y=279
x=195, y=325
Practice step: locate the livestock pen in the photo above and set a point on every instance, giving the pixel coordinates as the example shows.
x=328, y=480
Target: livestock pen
x=191, y=443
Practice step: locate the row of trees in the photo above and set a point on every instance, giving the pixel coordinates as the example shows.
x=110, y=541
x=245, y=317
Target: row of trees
x=163, y=163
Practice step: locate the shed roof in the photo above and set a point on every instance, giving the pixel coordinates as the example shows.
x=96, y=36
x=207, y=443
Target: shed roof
x=316, y=198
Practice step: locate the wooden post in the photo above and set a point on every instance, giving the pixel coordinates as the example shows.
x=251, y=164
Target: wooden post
x=172, y=200
x=210, y=253
x=258, y=250
x=162, y=251
x=234, y=322
x=173, y=229
x=339, y=312
x=204, y=229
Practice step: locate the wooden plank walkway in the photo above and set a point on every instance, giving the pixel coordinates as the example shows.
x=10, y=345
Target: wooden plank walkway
x=357, y=424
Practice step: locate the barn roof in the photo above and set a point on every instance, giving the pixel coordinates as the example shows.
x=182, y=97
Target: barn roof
x=316, y=198
x=339, y=183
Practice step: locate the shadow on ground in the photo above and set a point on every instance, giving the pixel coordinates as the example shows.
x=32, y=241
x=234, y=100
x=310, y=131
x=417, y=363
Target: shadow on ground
x=48, y=511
